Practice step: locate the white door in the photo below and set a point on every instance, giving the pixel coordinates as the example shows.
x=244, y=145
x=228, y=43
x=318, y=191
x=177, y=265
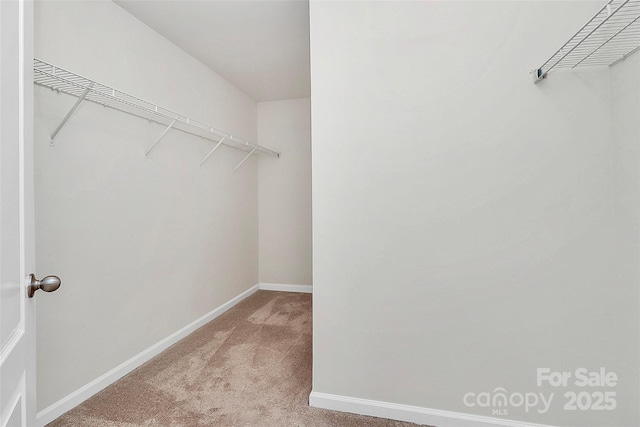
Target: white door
x=17, y=311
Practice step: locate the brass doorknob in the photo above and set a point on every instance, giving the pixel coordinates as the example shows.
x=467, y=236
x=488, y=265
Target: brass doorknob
x=48, y=284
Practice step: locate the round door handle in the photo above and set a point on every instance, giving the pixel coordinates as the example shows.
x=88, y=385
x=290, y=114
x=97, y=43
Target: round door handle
x=48, y=284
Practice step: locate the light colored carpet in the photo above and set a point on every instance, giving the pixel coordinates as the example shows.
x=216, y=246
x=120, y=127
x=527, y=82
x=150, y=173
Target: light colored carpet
x=249, y=367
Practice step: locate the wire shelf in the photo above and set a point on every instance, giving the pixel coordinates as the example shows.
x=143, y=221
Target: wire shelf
x=61, y=80
x=608, y=38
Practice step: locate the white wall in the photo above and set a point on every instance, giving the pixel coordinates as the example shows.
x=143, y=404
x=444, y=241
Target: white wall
x=625, y=114
x=285, y=192
x=143, y=247
x=462, y=216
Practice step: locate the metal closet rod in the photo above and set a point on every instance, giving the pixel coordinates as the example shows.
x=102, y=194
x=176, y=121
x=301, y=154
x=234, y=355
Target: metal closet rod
x=61, y=80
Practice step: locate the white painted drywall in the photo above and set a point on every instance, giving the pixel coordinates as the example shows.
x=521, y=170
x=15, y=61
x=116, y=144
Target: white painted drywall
x=285, y=192
x=143, y=247
x=625, y=284
x=261, y=46
x=462, y=216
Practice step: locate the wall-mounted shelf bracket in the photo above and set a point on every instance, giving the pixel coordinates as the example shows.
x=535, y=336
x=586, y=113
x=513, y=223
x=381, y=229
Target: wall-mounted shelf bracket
x=243, y=160
x=538, y=75
x=160, y=137
x=214, y=149
x=69, y=114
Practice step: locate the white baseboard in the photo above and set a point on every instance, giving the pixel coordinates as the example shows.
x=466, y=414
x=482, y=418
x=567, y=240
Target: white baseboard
x=412, y=414
x=77, y=397
x=308, y=289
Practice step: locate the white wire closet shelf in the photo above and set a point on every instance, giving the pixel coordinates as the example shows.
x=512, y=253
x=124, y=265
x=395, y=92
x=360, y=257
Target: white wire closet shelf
x=606, y=39
x=61, y=80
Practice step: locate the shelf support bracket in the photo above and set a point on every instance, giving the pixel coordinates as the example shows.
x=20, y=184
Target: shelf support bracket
x=160, y=137
x=69, y=114
x=214, y=149
x=243, y=160
x=538, y=75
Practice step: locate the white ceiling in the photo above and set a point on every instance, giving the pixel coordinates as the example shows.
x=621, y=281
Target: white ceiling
x=262, y=47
